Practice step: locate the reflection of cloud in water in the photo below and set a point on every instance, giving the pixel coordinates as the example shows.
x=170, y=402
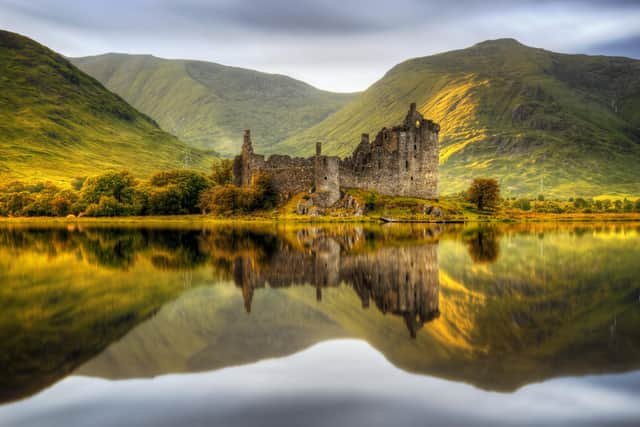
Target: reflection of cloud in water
x=343, y=382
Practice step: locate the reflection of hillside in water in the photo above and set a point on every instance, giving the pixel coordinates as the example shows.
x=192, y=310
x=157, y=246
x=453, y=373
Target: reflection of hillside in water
x=400, y=280
x=519, y=303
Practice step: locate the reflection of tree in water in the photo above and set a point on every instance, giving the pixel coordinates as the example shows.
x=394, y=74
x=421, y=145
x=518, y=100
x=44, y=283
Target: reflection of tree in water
x=112, y=247
x=178, y=249
x=393, y=268
x=484, y=245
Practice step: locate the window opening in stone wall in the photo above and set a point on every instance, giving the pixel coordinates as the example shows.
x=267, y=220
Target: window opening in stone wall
x=406, y=164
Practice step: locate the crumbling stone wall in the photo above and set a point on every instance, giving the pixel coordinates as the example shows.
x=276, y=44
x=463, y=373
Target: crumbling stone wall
x=401, y=161
x=289, y=175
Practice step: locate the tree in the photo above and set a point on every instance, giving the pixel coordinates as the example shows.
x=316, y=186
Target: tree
x=222, y=172
x=484, y=193
x=580, y=203
x=107, y=206
x=522, y=204
x=78, y=182
x=265, y=195
x=178, y=191
x=617, y=204
x=118, y=185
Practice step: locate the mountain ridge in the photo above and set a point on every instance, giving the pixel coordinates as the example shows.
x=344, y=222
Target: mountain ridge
x=208, y=104
x=59, y=123
x=539, y=121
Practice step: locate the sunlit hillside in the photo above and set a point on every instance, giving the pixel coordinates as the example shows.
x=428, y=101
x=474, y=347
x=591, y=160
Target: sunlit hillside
x=58, y=123
x=540, y=122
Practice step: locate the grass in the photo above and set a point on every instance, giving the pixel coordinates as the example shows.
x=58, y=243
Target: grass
x=209, y=105
x=540, y=122
x=59, y=123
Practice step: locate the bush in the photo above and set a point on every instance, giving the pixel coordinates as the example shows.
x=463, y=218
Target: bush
x=62, y=203
x=264, y=194
x=15, y=203
x=522, y=204
x=225, y=199
x=230, y=199
x=370, y=200
x=222, y=172
x=580, y=203
x=107, y=206
x=165, y=201
x=484, y=193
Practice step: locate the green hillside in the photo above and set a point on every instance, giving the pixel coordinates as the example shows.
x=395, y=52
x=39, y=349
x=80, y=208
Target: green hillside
x=209, y=105
x=58, y=123
x=539, y=121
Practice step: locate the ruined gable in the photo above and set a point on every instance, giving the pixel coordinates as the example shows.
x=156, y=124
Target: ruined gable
x=401, y=161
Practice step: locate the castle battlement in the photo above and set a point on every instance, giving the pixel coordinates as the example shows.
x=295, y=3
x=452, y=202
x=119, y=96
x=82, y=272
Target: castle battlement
x=400, y=161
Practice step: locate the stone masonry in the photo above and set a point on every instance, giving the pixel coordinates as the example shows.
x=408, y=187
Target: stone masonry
x=401, y=161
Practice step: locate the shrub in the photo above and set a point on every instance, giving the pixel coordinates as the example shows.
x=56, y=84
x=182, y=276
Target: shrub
x=222, y=172
x=370, y=200
x=107, y=206
x=522, y=204
x=78, y=182
x=165, y=201
x=230, y=199
x=62, y=202
x=580, y=203
x=225, y=199
x=264, y=194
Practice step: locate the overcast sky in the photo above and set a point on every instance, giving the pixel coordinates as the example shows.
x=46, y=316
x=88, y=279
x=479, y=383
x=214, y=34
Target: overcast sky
x=340, y=45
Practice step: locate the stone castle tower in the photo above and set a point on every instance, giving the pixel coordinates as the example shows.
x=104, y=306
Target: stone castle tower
x=401, y=161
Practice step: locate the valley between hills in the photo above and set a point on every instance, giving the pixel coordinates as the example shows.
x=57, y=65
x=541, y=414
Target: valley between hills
x=538, y=122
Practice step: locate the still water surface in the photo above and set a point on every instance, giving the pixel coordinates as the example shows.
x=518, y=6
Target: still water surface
x=320, y=326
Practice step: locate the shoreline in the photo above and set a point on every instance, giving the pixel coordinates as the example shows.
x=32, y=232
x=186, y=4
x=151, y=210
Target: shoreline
x=288, y=219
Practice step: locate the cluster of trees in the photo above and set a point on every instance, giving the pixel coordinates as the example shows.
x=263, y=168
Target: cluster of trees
x=574, y=205
x=121, y=194
x=485, y=194
x=39, y=199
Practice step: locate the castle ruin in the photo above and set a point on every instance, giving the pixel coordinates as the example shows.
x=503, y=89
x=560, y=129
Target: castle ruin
x=400, y=161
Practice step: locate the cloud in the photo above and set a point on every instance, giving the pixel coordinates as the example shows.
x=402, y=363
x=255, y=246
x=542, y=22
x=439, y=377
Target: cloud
x=338, y=45
x=628, y=46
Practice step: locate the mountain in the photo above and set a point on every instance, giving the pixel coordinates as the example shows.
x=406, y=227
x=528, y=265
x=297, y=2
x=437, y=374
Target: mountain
x=209, y=105
x=58, y=123
x=539, y=121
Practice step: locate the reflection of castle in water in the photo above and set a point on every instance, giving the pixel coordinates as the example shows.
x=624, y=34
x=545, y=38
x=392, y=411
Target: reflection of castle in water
x=400, y=280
